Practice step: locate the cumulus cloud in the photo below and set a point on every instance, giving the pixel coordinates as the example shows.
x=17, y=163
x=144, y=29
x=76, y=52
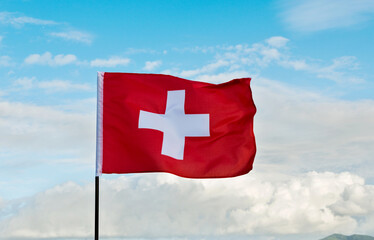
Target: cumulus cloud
x=48, y=59
x=151, y=65
x=111, y=62
x=18, y=21
x=162, y=205
x=77, y=36
x=301, y=15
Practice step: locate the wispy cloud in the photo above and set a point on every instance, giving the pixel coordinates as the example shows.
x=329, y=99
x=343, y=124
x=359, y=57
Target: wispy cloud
x=131, y=51
x=26, y=83
x=340, y=70
x=64, y=59
x=151, y=65
x=18, y=21
x=48, y=59
x=111, y=62
x=77, y=36
x=222, y=77
x=235, y=60
x=316, y=15
x=336, y=71
x=230, y=60
x=62, y=85
x=205, y=69
x=5, y=61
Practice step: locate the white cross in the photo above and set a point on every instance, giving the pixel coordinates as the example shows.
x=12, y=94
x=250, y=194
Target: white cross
x=175, y=124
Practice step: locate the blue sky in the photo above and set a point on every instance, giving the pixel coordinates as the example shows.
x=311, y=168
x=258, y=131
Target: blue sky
x=311, y=65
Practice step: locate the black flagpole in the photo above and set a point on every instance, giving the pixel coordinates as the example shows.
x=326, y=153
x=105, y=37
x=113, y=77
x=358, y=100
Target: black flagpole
x=97, y=208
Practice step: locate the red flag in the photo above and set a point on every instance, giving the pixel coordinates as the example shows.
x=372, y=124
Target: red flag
x=161, y=123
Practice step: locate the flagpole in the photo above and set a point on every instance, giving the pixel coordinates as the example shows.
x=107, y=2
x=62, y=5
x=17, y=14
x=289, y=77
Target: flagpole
x=96, y=207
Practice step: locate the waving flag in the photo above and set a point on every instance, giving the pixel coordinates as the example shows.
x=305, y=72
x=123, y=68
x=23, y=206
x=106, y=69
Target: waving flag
x=161, y=123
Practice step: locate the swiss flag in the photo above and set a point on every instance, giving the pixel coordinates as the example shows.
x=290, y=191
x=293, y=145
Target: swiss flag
x=161, y=123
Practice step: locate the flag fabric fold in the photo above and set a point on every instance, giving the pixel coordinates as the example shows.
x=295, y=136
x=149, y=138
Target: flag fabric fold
x=162, y=123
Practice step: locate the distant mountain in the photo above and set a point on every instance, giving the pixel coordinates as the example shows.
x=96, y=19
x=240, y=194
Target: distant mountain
x=352, y=237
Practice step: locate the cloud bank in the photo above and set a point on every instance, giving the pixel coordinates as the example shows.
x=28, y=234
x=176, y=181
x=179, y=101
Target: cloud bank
x=162, y=205
x=31, y=129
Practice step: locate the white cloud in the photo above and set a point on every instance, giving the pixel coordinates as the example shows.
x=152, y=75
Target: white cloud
x=340, y=70
x=111, y=62
x=151, y=65
x=258, y=56
x=222, y=77
x=131, y=51
x=55, y=85
x=77, y=36
x=295, y=64
x=196, y=49
x=205, y=69
x=48, y=59
x=62, y=85
x=270, y=54
x=162, y=205
x=336, y=71
x=18, y=21
x=316, y=15
x=30, y=129
x=302, y=130
x=277, y=41
x=25, y=82
x=5, y=61
x=238, y=59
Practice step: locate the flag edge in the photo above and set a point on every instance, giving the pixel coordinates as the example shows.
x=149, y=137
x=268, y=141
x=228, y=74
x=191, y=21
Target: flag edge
x=99, y=123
